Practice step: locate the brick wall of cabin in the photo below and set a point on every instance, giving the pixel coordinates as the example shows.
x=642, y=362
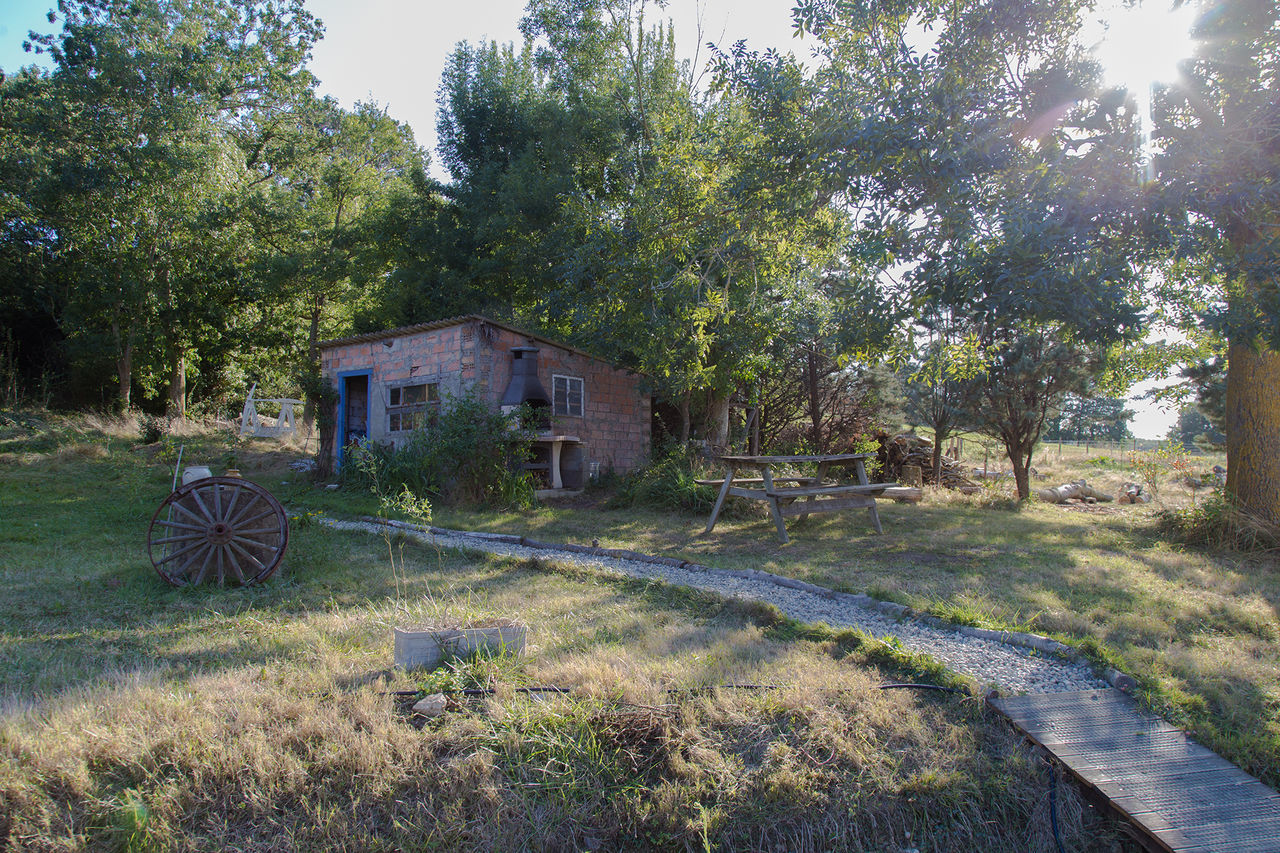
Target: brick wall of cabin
x=615, y=423
x=615, y=426
x=432, y=356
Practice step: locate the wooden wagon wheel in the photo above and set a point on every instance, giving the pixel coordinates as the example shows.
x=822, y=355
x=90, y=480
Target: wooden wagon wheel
x=221, y=528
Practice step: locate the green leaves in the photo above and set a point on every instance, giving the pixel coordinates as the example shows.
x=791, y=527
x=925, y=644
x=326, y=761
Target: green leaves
x=137, y=134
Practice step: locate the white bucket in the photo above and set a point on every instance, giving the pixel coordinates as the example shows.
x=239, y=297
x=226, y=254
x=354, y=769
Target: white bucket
x=195, y=472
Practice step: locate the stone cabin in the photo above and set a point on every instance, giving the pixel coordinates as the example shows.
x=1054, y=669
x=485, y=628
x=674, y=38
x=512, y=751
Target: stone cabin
x=593, y=416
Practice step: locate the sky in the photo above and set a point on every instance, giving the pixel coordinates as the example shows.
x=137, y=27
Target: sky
x=394, y=52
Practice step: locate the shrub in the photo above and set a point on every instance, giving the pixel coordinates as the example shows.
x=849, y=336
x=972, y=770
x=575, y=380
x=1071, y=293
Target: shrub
x=151, y=429
x=469, y=455
x=1219, y=523
x=669, y=482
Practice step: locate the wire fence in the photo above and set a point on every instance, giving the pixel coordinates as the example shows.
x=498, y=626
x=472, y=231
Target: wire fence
x=985, y=451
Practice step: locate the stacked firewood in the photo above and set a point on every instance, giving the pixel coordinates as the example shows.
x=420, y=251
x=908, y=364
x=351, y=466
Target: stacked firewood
x=907, y=449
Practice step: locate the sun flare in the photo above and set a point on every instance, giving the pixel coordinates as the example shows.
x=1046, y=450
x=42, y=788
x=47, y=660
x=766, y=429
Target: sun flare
x=1144, y=44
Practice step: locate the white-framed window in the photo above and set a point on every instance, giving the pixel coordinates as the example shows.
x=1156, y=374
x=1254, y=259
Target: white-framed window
x=566, y=395
x=411, y=407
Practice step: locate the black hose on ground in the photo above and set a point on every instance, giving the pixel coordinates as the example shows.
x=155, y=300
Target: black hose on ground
x=1053, y=807
x=489, y=691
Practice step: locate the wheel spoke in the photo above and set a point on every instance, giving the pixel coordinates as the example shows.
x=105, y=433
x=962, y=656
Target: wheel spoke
x=185, y=538
x=202, y=522
x=258, y=532
x=253, y=543
x=222, y=571
x=195, y=493
x=261, y=566
x=235, y=566
x=269, y=512
x=185, y=569
x=240, y=518
x=204, y=566
x=178, y=553
x=179, y=525
x=217, y=501
x=231, y=505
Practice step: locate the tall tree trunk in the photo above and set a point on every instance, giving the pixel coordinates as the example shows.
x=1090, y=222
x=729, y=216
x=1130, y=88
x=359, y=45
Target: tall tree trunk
x=1252, y=401
x=178, y=383
x=718, y=421
x=1020, y=457
x=685, y=426
x=124, y=363
x=754, y=446
x=938, y=438
x=1253, y=429
x=313, y=362
x=815, y=402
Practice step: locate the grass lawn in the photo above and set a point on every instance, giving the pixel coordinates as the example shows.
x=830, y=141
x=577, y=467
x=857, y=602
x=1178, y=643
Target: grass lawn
x=134, y=716
x=1199, y=629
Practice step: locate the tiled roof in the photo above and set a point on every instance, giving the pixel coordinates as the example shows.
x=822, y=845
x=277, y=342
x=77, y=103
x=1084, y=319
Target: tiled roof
x=369, y=337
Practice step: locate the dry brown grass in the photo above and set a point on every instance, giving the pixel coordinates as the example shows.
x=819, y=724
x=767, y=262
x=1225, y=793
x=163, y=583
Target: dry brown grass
x=272, y=759
x=138, y=717
x=1198, y=626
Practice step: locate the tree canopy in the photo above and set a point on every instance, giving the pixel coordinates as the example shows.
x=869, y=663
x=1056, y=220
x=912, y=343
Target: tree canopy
x=949, y=187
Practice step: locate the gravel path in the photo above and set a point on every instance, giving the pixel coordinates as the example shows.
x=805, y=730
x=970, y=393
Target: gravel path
x=1011, y=668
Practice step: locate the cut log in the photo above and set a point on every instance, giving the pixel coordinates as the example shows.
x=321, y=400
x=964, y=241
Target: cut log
x=1077, y=490
x=1133, y=493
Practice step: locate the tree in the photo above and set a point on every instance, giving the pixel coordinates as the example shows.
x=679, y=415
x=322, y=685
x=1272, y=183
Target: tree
x=608, y=201
x=1216, y=182
x=1090, y=418
x=933, y=388
x=139, y=150
x=976, y=183
x=1023, y=385
x=331, y=177
x=1195, y=431
x=33, y=263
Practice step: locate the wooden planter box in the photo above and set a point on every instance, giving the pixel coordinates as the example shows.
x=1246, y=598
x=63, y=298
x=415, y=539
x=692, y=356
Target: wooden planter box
x=427, y=648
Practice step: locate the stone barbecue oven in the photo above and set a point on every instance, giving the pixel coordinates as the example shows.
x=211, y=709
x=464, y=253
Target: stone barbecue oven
x=524, y=387
x=591, y=415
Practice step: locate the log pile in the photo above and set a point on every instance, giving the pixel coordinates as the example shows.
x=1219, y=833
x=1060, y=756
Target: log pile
x=907, y=449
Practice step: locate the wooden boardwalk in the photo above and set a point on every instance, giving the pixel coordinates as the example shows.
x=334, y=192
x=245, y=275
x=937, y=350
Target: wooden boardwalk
x=1185, y=798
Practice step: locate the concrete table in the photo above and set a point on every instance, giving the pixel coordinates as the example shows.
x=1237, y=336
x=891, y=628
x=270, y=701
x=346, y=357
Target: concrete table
x=555, y=444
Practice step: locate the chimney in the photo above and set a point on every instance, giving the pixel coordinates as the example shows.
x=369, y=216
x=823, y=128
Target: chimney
x=524, y=386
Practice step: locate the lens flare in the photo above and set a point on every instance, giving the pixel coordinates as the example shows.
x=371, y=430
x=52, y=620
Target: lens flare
x=1146, y=44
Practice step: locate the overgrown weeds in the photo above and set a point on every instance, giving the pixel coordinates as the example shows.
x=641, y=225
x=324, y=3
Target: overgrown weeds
x=468, y=455
x=1218, y=522
x=824, y=761
x=669, y=482
x=136, y=716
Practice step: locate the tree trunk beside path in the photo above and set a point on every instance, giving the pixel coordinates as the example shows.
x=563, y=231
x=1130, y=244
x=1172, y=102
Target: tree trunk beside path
x=1253, y=429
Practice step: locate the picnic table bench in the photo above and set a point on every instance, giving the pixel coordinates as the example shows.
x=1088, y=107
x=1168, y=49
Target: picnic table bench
x=817, y=493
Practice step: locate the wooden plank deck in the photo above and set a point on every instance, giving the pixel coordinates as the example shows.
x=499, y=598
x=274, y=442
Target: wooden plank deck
x=1184, y=797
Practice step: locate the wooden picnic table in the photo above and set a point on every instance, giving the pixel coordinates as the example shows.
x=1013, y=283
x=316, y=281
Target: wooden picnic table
x=819, y=493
